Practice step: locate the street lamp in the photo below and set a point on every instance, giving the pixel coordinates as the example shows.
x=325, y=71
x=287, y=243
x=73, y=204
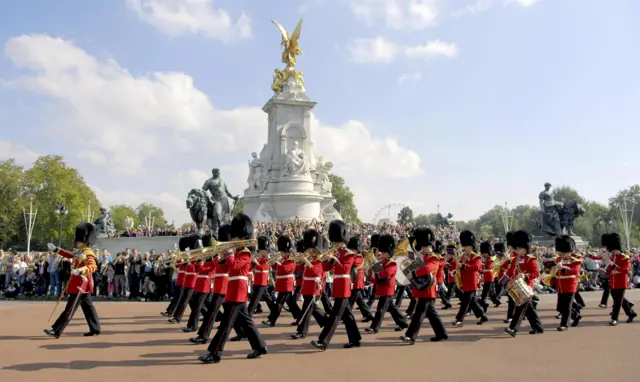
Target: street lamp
x=61, y=211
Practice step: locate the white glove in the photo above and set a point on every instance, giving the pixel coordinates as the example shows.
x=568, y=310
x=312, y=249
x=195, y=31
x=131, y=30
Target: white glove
x=75, y=272
x=443, y=288
x=51, y=247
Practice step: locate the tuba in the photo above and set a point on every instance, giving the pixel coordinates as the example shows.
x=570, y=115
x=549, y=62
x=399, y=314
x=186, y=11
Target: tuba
x=408, y=264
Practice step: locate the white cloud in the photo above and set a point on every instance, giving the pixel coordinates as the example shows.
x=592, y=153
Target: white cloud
x=22, y=155
x=161, y=128
x=179, y=17
x=372, y=50
x=397, y=14
x=432, y=49
x=477, y=7
x=409, y=77
x=381, y=50
x=522, y=3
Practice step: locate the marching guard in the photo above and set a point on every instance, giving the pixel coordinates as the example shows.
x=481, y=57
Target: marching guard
x=202, y=290
x=425, y=299
x=80, y=284
x=261, y=270
x=341, y=263
x=469, y=266
x=357, y=292
x=488, y=277
x=618, y=271
x=235, y=304
x=285, y=279
x=566, y=273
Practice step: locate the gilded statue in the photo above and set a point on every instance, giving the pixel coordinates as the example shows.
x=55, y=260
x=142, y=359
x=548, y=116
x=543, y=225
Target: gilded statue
x=291, y=49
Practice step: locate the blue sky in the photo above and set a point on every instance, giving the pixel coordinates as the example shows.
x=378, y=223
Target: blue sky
x=459, y=103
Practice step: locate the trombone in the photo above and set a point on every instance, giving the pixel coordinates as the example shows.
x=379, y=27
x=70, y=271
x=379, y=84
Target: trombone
x=219, y=247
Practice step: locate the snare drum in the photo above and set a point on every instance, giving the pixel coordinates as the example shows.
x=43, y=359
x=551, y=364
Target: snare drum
x=520, y=291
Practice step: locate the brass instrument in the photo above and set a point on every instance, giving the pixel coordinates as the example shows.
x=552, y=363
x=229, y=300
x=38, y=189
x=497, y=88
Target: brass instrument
x=497, y=266
x=217, y=248
x=547, y=277
x=370, y=260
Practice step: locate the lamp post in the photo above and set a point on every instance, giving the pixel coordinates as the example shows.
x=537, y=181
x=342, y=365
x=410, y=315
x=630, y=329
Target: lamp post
x=626, y=211
x=61, y=211
x=507, y=218
x=29, y=220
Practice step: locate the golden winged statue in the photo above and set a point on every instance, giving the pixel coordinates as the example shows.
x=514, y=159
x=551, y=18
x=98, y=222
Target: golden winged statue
x=291, y=49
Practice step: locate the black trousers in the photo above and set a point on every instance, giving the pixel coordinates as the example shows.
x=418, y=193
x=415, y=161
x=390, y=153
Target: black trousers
x=488, y=291
x=579, y=300
x=498, y=288
x=235, y=314
x=412, y=307
x=310, y=308
x=620, y=302
x=284, y=297
x=469, y=301
x=529, y=311
x=358, y=298
x=340, y=310
x=84, y=301
x=566, y=308
x=426, y=306
x=326, y=303
x=444, y=296
x=605, y=292
x=177, y=293
x=400, y=291
x=195, y=304
x=385, y=304
x=213, y=309
x=372, y=296
x=256, y=295
x=185, y=297
x=511, y=307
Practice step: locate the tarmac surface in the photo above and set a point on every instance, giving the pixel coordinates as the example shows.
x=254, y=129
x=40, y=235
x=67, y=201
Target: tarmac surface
x=137, y=344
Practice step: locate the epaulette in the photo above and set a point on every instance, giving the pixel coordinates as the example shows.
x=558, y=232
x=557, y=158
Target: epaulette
x=474, y=255
x=88, y=252
x=436, y=254
x=624, y=255
x=348, y=252
x=492, y=258
x=531, y=256
x=391, y=261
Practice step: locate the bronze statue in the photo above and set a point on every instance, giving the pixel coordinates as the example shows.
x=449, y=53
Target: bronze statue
x=104, y=223
x=557, y=218
x=197, y=205
x=291, y=49
x=218, y=209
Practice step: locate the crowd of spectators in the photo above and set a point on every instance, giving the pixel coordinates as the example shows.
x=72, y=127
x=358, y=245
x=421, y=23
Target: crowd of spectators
x=148, y=276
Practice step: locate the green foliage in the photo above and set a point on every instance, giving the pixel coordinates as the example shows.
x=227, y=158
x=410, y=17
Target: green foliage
x=11, y=201
x=239, y=207
x=120, y=212
x=344, y=199
x=405, y=215
x=426, y=220
x=145, y=211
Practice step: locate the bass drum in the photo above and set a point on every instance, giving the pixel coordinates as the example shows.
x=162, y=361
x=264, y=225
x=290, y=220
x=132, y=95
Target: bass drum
x=401, y=279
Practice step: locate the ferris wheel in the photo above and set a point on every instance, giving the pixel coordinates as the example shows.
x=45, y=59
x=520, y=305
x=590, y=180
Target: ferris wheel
x=388, y=213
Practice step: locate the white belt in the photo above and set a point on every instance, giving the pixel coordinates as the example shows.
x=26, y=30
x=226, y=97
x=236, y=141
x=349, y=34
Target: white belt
x=487, y=270
x=341, y=277
x=245, y=278
x=316, y=279
x=180, y=272
x=566, y=277
x=260, y=271
x=190, y=273
x=220, y=275
x=285, y=276
x=203, y=276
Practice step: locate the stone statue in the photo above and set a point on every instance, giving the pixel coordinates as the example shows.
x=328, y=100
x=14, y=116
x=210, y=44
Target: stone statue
x=322, y=175
x=197, y=205
x=104, y=223
x=257, y=175
x=266, y=213
x=445, y=221
x=128, y=223
x=557, y=218
x=296, y=163
x=571, y=210
x=218, y=209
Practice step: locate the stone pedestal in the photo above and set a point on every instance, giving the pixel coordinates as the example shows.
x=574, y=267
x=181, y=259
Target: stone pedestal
x=548, y=241
x=304, y=193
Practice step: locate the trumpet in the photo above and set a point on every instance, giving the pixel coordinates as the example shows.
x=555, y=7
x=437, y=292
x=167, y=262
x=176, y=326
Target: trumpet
x=217, y=248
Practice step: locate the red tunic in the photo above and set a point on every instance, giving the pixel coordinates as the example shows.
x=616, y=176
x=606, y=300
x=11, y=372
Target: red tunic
x=471, y=272
x=431, y=266
x=261, y=272
x=299, y=271
x=190, y=276
x=180, y=279
x=284, y=276
x=504, y=268
x=386, y=279
x=239, y=266
x=203, y=279
x=312, y=280
x=84, y=260
x=441, y=270
x=527, y=265
x=358, y=263
x=452, y=267
x=619, y=274
x=220, y=278
x=568, y=279
x=341, y=273
x=487, y=270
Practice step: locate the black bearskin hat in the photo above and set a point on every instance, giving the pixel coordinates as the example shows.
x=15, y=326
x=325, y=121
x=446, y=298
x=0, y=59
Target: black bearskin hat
x=565, y=244
x=510, y=242
x=374, y=240
x=498, y=247
x=424, y=237
x=190, y=241
x=603, y=240
x=284, y=243
x=354, y=244
x=86, y=233
x=263, y=243
x=522, y=239
x=387, y=244
x=614, y=242
x=224, y=233
x=485, y=247
x=437, y=248
x=467, y=239
x=311, y=239
x=338, y=232
x=241, y=227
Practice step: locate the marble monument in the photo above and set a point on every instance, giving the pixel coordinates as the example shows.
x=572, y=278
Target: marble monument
x=287, y=180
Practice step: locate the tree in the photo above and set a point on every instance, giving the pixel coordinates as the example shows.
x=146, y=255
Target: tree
x=566, y=193
x=239, y=208
x=120, y=212
x=11, y=193
x=626, y=200
x=146, y=211
x=426, y=220
x=405, y=216
x=51, y=182
x=344, y=199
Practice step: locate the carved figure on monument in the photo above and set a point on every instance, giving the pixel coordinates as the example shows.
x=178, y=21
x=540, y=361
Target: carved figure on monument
x=290, y=51
x=445, y=221
x=549, y=211
x=322, y=175
x=296, y=163
x=104, y=222
x=257, y=174
x=267, y=214
x=128, y=223
x=197, y=205
x=570, y=211
x=218, y=209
